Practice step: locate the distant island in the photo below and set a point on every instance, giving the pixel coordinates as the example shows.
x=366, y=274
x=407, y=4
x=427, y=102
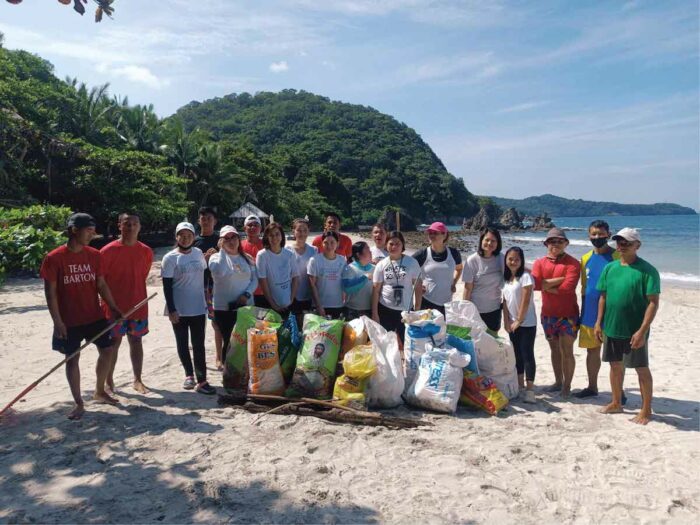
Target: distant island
x=560, y=207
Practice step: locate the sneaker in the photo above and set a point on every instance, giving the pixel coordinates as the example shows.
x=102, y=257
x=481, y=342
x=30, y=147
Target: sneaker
x=586, y=392
x=189, y=383
x=624, y=399
x=206, y=388
x=529, y=396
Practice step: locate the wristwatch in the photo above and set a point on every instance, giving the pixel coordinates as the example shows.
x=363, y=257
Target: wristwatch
x=246, y=295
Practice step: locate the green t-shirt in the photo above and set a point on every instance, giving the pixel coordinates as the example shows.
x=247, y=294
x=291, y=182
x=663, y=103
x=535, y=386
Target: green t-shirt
x=627, y=289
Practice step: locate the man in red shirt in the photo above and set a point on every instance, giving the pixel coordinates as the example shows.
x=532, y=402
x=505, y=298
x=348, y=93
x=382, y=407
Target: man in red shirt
x=126, y=263
x=556, y=275
x=251, y=245
x=73, y=283
x=333, y=224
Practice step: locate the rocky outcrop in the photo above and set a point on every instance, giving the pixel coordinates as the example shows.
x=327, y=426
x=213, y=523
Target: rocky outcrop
x=486, y=216
x=510, y=220
x=389, y=219
x=542, y=222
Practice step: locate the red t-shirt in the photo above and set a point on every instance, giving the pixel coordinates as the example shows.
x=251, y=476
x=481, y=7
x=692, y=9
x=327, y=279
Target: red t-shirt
x=252, y=249
x=344, y=246
x=75, y=275
x=126, y=270
x=564, y=303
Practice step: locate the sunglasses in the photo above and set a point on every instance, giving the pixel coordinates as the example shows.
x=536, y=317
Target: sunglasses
x=624, y=243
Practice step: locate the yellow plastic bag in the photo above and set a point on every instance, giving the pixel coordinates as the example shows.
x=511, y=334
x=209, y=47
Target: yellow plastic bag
x=359, y=365
x=263, y=362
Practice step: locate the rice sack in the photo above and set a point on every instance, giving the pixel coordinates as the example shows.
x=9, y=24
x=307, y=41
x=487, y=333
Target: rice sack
x=480, y=392
x=464, y=314
x=496, y=359
x=315, y=368
x=358, y=364
x=423, y=327
x=235, y=376
x=439, y=380
x=289, y=341
x=263, y=362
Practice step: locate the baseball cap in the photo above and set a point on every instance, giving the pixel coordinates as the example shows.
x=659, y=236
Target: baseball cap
x=81, y=220
x=437, y=227
x=556, y=233
x=184, y=226
x=628, y=234
x=251, y=218
x=226, y=230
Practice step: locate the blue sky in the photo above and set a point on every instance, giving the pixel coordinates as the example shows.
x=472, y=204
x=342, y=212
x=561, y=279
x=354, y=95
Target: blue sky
x=592, y=100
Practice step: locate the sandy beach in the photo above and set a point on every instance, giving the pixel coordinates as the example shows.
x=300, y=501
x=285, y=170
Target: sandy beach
x=174, y=456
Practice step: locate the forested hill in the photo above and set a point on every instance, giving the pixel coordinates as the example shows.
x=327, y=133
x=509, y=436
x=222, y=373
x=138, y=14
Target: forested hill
x=561, y=207
x=358, y=159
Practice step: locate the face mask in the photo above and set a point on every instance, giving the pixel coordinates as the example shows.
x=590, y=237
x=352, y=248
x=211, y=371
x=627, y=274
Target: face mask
x=184, y=248
x=599, y=242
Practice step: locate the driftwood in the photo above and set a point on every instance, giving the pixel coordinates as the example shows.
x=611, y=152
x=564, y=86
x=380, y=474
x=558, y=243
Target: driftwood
x=316, y=408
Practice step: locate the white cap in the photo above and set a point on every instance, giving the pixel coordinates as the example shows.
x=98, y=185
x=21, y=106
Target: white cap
x=628, y=234
x=184, y=226
x=226, y=230
x=251, y=218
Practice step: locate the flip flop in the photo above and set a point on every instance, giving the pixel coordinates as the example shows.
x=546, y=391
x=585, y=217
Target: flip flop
x=586, y=392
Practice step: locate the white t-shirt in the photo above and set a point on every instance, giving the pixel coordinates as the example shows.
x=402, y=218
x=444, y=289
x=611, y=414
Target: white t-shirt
x=278, y=269
x=328, y=275
x=377, y=253
x=513, y=294
x=301, y=262
x=233, y=275
x=187, y=272
x=487, y=276
x=407, y=270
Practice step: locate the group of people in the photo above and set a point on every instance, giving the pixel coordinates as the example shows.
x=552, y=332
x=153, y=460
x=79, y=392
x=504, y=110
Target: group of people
x=213, y=273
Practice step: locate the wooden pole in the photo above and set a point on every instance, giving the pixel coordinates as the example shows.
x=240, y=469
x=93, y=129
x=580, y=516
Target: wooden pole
x=398, y=221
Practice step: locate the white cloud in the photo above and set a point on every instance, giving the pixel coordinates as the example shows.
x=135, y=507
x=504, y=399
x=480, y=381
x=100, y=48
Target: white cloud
x=525, y=106
x=279, y=67
x=139, y=74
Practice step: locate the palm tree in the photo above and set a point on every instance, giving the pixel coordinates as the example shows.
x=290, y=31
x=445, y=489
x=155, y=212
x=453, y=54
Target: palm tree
x=138, y=127
x=91, y=111
x=212, y=177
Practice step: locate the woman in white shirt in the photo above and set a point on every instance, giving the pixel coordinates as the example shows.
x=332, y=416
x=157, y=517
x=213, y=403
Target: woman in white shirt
x=520, y=319
x=483, y=278
x=325, y=270
x=395, y=278
x=235, y=279
x=302, y=254
x=277, y=272
x=182, y=270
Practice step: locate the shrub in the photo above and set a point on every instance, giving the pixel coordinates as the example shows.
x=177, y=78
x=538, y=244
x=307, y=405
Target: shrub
x=23, y=247
x=39, y=216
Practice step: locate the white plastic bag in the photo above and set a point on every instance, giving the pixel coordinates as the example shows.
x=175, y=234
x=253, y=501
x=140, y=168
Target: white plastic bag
x=496, y=360
x=386, y=385
x=422, y=328
x=439, y=380
x=465, y=314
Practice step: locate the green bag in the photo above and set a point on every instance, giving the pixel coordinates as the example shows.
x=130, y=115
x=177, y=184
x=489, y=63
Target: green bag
x=315, y=367
x=236, y=365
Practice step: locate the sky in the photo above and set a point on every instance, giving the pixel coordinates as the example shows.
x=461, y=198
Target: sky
x=589, y=100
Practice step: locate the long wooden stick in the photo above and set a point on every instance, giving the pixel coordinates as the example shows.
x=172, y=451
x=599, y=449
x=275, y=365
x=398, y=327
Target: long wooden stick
x=77, y=352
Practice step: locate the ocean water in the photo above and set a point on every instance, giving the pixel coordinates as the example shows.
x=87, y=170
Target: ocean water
x=670, y=242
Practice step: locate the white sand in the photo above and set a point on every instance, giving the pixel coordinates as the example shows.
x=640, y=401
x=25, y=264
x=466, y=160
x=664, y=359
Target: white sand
x=174, y=456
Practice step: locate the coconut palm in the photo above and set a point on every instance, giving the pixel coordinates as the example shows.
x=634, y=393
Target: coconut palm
x=138, y=126
x=90, y=112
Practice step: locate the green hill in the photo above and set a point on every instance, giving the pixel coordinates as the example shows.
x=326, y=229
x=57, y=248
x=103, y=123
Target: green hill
x=357, y=158
x=561, y=207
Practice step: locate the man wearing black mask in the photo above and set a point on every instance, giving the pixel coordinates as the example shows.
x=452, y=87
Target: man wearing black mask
x=592, y=264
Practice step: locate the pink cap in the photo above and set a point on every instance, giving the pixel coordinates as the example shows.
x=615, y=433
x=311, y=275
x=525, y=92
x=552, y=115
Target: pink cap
x=438, y=227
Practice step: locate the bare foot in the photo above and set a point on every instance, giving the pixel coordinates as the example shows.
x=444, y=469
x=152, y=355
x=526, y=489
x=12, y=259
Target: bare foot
x=104, y=397
x=642, y=418
x=612, y=408
x=140, y=387
x=565, y=393
x=76, y=413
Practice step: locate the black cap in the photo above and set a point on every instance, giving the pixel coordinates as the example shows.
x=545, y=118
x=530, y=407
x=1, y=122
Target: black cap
x=81, y=220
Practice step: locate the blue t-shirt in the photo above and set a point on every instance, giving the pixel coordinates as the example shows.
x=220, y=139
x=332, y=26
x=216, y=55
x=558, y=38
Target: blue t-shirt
x=592, y=265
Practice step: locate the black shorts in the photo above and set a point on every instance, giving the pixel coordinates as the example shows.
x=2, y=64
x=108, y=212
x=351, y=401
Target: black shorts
x=492, y=319
x=78, y=334
x=261, y=301
x=300, y=307
x=429, y=305
x=615, y=350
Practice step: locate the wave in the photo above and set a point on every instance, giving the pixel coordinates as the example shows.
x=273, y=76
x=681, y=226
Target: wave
x=680, y=277
x=572, y=242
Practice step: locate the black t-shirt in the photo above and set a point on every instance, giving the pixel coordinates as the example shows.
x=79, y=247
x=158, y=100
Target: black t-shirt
x=422, y=254
x=205, y=243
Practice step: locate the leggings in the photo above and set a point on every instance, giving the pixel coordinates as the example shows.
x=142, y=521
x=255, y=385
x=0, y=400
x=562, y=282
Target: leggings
x=390, y=320
x=225, y=320
x=194, y=325
x=523, y=340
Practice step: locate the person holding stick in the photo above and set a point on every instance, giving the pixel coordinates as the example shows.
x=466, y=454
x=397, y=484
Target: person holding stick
x=73, y=283
x=126, y=263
